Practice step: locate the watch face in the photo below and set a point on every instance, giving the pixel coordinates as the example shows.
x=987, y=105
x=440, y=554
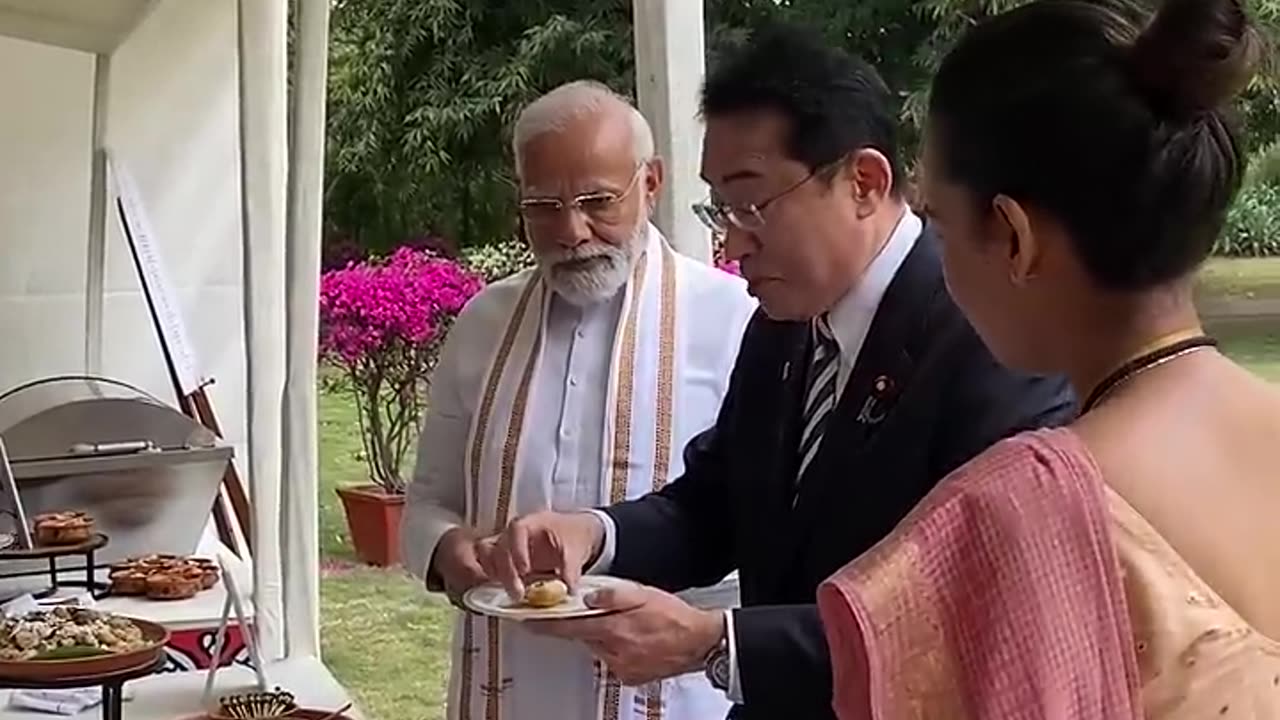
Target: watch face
x=718, y=670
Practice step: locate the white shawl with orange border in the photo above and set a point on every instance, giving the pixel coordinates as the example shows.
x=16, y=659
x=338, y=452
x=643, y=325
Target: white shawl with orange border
x=665, y=386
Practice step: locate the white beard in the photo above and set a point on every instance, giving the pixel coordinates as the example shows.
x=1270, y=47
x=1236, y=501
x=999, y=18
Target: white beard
x=592, y=272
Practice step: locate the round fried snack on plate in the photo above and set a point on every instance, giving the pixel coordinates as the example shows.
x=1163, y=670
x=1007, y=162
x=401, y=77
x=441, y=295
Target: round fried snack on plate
x=546, y=593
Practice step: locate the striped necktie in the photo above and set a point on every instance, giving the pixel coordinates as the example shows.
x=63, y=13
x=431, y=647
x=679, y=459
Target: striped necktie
x=820, y=399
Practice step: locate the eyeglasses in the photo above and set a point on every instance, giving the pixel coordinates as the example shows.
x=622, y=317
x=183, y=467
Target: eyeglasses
x=719, y=216
x=604, y=207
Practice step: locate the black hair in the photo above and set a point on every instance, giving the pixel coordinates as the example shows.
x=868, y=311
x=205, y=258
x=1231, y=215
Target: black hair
x=1115, y=126
x=834, y=103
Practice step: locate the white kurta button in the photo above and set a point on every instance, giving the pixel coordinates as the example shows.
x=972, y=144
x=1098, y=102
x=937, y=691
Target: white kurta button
x=573, y=381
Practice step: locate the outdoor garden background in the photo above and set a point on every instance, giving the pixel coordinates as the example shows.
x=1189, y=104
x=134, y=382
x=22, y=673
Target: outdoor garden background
x=420, y=213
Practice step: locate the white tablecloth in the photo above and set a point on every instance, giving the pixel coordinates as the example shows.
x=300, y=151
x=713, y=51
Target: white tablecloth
x=172, y=696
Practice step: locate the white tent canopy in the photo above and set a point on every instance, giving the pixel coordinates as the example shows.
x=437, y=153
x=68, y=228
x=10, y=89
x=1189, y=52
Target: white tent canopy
x=190, y=97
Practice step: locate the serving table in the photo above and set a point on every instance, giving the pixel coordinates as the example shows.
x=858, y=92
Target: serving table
x=112, y=685
x=191, y=623
x=177, y=696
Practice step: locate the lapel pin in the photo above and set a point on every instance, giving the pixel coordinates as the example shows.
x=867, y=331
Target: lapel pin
x=875, y=407
x=786, y=370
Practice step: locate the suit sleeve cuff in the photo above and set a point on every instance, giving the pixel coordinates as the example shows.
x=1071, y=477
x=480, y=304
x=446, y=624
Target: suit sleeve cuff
x=420, y=540
x=434, y=582
x=608, y=548
x=734, y=691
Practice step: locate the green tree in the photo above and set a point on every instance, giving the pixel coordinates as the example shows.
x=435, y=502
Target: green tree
x=423, y=92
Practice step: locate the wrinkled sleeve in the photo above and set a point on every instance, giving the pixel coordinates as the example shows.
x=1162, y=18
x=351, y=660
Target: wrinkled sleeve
x=435, y=501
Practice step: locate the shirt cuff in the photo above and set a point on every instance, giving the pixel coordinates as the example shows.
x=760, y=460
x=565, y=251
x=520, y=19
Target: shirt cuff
x=608, y=547
x=420, y=538
x=734, y=693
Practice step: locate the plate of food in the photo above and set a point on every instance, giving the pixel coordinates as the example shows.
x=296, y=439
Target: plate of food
x=73, y=642
x=163, y=577
x=544, y=599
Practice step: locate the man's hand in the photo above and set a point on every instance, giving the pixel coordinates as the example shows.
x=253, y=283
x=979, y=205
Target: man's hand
x=457, y=563
x=653, y=635
x=544, y=543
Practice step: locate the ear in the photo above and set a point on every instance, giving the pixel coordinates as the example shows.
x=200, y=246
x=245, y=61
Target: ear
x=654, y=177
x=1024, y=249
x=872, y=179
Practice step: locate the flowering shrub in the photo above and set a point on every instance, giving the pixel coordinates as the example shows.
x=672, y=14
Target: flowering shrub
x=718, y=258
x=729, y=266
x=498, y=260
x=382, y=321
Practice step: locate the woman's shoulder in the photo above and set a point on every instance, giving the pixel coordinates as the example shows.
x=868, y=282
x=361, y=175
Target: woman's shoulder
x=1034, y=474
x=1028, y=457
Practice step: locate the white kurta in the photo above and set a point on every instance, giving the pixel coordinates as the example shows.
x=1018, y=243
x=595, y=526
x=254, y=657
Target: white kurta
x=533, y=400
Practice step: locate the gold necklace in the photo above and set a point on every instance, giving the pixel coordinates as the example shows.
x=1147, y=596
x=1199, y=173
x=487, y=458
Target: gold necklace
x=1166, y=349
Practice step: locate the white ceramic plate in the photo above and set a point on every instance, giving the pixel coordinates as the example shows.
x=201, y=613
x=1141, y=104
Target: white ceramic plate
x=493, y=601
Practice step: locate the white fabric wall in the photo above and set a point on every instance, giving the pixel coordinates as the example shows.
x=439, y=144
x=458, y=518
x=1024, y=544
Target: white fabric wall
x=175, y=89
x=44, y=209
x=173, y=120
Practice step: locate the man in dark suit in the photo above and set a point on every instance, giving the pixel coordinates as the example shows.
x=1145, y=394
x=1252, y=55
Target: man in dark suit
x=858, y=387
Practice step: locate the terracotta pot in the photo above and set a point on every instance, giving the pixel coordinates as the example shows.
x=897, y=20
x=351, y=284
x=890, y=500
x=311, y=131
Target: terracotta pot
x=373, y=516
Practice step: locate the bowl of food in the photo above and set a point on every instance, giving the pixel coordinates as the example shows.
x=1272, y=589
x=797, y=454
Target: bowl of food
x=256, y=706
x=66, y=643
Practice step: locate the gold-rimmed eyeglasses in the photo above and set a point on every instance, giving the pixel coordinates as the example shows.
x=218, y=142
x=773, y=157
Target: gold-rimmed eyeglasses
x=719, y=216
x=601, y=206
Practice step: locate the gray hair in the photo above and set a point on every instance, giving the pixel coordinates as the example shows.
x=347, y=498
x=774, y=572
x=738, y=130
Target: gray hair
x=553, y=111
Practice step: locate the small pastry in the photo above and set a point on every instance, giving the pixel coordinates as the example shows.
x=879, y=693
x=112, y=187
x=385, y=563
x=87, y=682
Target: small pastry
x=209, y=577
x=63, y=528
x=128, y=582
x=172, y=586
x=546, y=593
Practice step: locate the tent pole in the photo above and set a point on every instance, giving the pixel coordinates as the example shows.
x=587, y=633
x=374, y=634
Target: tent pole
x=261, y=25
x=669, y=65
x=300, y=536
x=96, y=258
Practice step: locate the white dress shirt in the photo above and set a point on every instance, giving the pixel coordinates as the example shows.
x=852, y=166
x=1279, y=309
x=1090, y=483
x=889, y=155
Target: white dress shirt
x=561, y=463
x=850, y=320
x=578, y=344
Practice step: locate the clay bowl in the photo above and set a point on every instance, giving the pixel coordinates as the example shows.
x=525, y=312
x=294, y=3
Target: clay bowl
x=299, y=714
x=87, y=668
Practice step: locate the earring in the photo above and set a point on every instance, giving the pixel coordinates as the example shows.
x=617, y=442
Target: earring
x=1024, y=280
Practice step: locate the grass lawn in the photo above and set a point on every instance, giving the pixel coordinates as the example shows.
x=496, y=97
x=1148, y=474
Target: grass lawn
x=382, y=636
x=386, y=641
x=1256, y=346
x=1245, y=278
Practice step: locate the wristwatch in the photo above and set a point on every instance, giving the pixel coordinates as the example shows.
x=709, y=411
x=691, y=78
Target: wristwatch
x=717, y=664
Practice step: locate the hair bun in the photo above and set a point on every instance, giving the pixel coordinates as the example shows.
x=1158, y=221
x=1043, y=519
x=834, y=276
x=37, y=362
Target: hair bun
x=1195, y=55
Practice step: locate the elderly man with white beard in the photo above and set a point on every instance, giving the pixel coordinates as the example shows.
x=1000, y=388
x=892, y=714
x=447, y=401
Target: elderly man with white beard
x=568, y=386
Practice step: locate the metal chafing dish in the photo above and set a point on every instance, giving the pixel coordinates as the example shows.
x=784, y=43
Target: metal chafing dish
x=147, y=474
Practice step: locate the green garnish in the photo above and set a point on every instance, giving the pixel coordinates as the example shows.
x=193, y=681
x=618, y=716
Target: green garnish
x=71, y=652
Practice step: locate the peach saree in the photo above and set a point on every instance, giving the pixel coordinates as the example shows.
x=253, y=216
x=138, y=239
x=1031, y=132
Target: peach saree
x=999, y=597
x=1024, y=588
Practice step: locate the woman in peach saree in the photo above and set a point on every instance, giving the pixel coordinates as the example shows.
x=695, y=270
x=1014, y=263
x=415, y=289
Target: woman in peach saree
x=1078, y=166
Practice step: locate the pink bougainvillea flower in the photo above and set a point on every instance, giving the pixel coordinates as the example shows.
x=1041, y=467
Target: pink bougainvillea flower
x=382, y=322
